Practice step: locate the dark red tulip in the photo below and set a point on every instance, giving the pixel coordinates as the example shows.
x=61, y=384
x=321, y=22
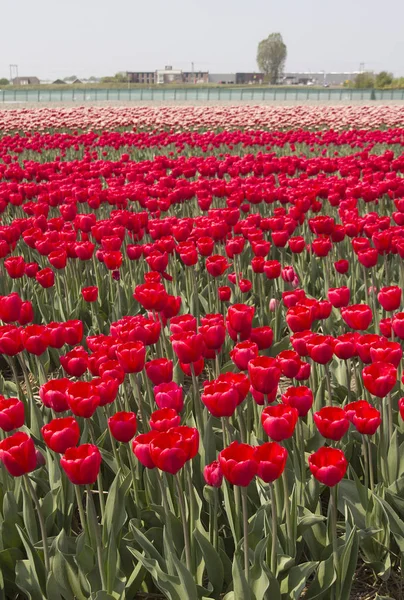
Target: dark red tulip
x=164, y=418
x=390, y=297
x=159, y=370
x=242, y=353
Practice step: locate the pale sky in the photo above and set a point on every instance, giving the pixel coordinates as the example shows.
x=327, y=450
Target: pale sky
x=58, y=38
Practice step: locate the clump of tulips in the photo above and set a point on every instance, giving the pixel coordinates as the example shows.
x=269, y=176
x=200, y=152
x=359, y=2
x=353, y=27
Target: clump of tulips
x=201, y=339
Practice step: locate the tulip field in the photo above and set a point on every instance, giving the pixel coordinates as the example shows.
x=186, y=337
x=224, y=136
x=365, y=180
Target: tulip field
x=201, y=342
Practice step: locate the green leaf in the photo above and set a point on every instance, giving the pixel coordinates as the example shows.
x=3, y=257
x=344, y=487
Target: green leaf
x=186, y=580
x=261, y=578
x=293, y=584
x=29, y=516
x=347, y=564
x=392, y=457
x=37, y=569
x=27, y=580
x=241, y=588
x=115, y=515
x=213, y=563
x=325, y=577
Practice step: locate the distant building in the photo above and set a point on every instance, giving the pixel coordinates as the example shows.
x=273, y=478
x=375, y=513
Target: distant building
x=318, y=78
x=249, y=78
x=195, y=77
x=59, y=82
x=26, y=81
x=222, y=78
x=167, y=75
x=144, y=77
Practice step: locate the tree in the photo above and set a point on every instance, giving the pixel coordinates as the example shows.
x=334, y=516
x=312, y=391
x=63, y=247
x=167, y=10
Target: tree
x=383, y=79
x=4, y=81
x=271, y=56
x=364, y=81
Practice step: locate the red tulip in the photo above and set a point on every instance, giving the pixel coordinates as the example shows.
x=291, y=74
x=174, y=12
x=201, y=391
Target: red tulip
x=53, y=394
x=328, y=465
x=35, y=339
x=366, y=419
x=11, y=413
x=45, y=277
x=164, y=418
x=131, y=356
x=238, y=463
x=271, y=458
x=17, y=453
x=220, y=398
x=61, y=434
x=159, y=370
x=240, y=317
x=339, y=297
x=289, y=363
x=141, y=448
x=300, y=397
x=279, y=421
x=321, y=348
x=262, y=336
x=83, y=399
x=169, y=395
x=10, y=340
x=122, y=426
x=213, y=474
x=332, y=422
x=357, y=316
x=188, y=346
x=90, y=294
x=224, y=293
x=216, y=265
x=10, y=307
x=264, y=374
x=242, y=353
x=379, y=378
x=390, y=297
x=168, y=451
x=82, y=464
x=299, y=318
x=75, y=362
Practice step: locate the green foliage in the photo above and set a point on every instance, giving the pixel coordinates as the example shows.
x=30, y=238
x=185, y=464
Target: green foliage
x=271, y=57
x=4, y=81
x=383, y=79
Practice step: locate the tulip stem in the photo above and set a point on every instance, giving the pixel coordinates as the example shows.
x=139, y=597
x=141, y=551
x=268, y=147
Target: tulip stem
x=31, y=492
x=98, y=541
x=184, y=521
x=390, y=414
x=81, y=509
x=197, y=402
x=365, y=464
x=244, y=501
x=333, y=512
x=372, y=483
x=274, y=519
x=290, y=542
x=328, y=380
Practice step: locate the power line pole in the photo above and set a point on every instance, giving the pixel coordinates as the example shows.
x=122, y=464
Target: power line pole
x=361, y=67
